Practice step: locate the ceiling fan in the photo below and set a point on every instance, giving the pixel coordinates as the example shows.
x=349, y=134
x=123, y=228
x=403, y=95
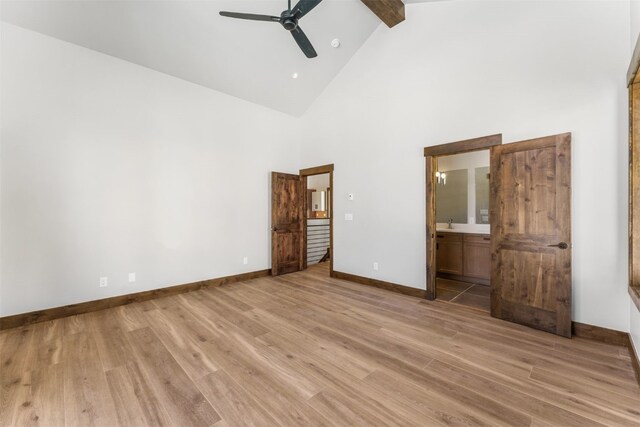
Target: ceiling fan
x=289, y=20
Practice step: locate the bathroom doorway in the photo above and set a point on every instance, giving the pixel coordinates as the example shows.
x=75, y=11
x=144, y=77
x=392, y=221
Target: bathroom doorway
x=463, y=251
x=450, y=183
x=530, y=234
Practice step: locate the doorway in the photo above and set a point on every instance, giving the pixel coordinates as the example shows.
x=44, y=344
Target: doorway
x=463, y=252
x=438, y=241
x=318, y=224
x=530, y=228
x=301, y=220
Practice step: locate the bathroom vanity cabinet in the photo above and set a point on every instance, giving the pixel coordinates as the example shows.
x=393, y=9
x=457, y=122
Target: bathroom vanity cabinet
x=463, y=256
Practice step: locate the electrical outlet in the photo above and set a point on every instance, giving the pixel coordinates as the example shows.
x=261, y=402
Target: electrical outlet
x=348, y=217
x=375, y=266
x=132, y=277
x=245, y=260
x=104, y=282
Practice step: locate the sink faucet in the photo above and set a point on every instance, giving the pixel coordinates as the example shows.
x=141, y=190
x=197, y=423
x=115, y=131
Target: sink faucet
x=450, y=222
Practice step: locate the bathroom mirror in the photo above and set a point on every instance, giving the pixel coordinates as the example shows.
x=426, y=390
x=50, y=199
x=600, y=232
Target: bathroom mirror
x=482, y=195
x=462, y=188
x=451, y=197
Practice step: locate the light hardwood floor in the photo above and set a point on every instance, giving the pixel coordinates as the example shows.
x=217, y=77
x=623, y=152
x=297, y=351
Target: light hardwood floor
x=304, y=349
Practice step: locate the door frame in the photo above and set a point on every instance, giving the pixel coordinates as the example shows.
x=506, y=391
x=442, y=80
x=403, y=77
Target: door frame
x=431, y=155
x=633, y=84
x=304, y=173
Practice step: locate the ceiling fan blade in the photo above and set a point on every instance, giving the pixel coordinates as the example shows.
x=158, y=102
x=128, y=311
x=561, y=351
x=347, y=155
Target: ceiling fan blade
x=304, y=43
x=250, y=16
x=303, y=7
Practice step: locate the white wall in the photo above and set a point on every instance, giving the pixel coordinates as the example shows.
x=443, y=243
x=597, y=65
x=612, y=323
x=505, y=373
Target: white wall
x=461, y=69
x=475, y=159
x=109, y=168
x=318, y=182
x=634, y=13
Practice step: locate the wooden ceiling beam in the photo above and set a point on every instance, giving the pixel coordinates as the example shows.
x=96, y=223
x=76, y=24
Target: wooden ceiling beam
x=391, y=12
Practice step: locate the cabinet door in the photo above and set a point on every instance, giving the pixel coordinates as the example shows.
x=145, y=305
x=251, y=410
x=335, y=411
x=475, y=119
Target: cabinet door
x=477, y=260
x=449, y=257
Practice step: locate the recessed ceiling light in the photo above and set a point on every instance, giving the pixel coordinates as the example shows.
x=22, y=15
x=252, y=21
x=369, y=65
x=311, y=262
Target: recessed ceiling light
x=335, y=43
x=294, y=75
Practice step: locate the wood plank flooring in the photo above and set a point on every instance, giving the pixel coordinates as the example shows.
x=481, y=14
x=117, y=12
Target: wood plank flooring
x=304, y=349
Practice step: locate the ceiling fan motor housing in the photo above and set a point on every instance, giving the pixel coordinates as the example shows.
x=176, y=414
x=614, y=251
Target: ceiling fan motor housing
x=288, y=21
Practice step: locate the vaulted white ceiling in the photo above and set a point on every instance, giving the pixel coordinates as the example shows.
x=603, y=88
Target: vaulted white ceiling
x=188, y=39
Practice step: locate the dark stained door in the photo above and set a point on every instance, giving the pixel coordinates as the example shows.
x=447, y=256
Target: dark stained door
x=531, y=233
x=287, y=222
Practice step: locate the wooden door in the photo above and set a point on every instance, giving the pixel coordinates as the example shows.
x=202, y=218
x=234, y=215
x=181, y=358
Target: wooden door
x=531, y=233
x=287, y=222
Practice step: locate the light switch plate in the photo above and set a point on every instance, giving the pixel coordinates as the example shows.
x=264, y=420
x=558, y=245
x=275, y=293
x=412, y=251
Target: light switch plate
x=348, y=217
x=350, y=196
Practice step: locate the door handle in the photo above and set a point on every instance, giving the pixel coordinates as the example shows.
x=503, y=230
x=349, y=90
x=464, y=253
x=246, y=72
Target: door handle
x=561, y=245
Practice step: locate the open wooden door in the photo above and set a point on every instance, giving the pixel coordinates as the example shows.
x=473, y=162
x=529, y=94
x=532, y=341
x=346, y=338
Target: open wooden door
x=531, y=233
x=287, y=222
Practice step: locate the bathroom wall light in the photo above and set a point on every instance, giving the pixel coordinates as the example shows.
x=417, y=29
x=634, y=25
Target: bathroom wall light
x=441, y=177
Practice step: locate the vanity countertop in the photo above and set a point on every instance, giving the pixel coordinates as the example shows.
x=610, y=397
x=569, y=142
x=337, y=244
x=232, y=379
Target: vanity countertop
x=453, y=230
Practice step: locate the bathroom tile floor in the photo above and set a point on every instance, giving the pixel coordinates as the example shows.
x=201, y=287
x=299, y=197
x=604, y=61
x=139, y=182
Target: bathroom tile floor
x=468, y=294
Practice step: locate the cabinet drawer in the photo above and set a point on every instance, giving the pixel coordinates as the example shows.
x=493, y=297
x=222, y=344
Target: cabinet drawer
x=477, y=238
x=448, y=237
